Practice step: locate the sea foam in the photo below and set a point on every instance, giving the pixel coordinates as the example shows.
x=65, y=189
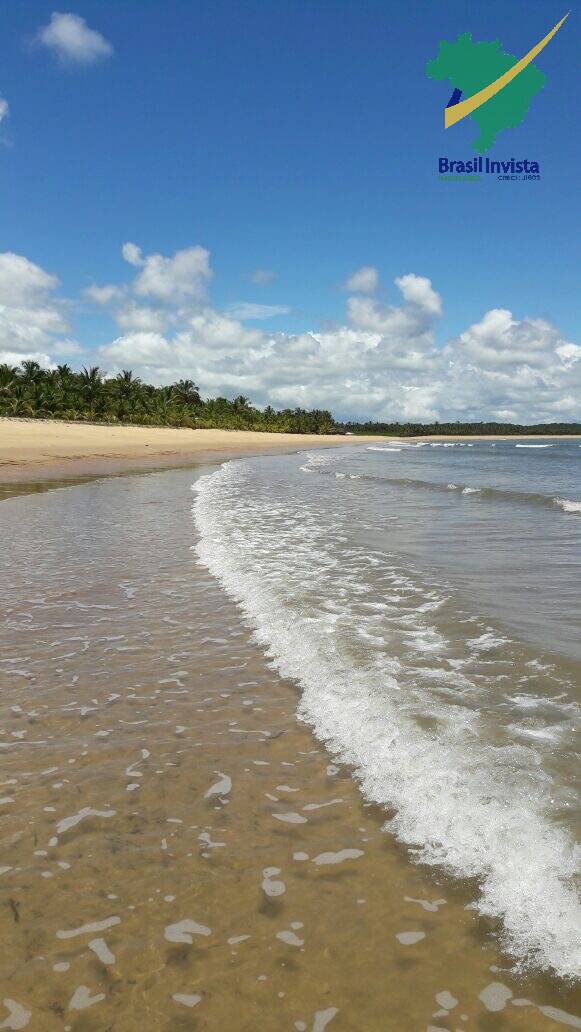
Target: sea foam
x=568, y=506
x=462, y=803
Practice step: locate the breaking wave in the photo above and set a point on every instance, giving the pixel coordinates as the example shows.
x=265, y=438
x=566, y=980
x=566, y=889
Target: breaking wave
x=331, y=617
x=568, y=506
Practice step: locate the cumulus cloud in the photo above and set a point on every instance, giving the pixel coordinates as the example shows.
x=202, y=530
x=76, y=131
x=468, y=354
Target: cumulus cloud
x=262, y=276
x=509, y=368
x=418, y=291
x=363, y=281
x=349, y=368
x=21, y=281
x=164, y=290
x=4, y=109
x=140, y=349
x=132, y=316
x=15, y=358
x=384, y=362
x=569, y=354
x=181, y=278
x=74, y=43
x=31, y=321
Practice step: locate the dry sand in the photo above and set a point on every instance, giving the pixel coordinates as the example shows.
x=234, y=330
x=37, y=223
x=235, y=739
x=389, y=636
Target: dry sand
x=51, y=449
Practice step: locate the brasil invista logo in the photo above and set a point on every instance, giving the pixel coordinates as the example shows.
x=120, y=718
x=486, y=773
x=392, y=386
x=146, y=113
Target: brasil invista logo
x=496, y=86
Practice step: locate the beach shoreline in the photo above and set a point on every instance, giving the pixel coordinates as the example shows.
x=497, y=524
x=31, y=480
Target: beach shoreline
x=156, y=771
x=161, y=782
x=56, y=449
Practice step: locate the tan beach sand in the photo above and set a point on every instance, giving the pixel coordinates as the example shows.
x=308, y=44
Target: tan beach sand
x=52, y=448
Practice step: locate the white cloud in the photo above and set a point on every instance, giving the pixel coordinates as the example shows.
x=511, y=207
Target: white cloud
x=129, y=314
x=21, y=281
x=15, y=358
x=363, y=281
x=418, y=291
x=141, y=317
x=67, y=347
x=30, y=321
x=4, y=109
x=363, y=368
x=175, y=286
x=103, y=295
x=384, y=364
x=262, y=276
x=71, y=39
x=499, y=341
x=248, y=310
x=181, y=278
x=139, y=349
x=132, y=254
x=569, y=354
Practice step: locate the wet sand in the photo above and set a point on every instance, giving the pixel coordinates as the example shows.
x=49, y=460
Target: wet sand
x=177, y=851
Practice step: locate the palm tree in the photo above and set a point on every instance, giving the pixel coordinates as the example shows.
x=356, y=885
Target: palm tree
x=31, y=371
x=126, y=392
x=64, y=374
x=91, y=384
x=127, y=383
x=63, y=393
x=186, y=392
x=8, y=377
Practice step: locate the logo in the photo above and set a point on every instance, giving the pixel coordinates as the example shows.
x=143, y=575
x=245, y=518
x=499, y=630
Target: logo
x=498, y=88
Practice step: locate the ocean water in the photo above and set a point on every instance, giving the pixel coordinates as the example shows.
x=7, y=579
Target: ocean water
x=425, y=600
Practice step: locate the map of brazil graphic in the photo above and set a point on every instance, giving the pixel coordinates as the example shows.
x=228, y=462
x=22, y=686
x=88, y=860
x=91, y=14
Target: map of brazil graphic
x=497, y=86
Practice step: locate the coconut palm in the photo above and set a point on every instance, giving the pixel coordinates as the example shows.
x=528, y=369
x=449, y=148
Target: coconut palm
x=186, y=392
x=63, y=393
x=31, y=371
x=8, y=375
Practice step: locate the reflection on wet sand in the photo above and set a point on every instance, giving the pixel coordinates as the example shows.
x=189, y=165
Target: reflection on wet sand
x=177, y=851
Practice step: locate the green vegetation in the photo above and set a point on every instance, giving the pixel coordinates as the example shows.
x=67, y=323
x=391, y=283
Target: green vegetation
x=466, y=429
x=30, y=392
x=34, y=393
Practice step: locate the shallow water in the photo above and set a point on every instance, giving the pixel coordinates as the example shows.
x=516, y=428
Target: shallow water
x=178, y=851
x=411, y=591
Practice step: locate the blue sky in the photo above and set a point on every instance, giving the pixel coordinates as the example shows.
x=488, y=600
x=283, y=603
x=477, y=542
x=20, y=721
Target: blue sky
x=297, y=137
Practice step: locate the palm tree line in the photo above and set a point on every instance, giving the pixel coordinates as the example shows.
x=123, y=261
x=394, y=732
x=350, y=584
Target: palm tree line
x=29, y=391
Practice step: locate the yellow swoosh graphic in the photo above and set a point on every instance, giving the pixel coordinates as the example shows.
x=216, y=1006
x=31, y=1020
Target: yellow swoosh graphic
x=466, y=107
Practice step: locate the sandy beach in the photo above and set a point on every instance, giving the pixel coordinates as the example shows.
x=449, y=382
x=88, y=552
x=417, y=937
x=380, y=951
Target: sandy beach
x=53, y=449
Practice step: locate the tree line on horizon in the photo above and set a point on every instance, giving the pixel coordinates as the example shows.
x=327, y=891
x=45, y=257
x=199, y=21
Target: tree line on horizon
x=31, y=392
x=449, y=428
x=28, y=391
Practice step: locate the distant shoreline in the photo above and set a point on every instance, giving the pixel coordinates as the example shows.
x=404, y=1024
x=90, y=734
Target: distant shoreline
x=490, y=437
x=45, y=449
